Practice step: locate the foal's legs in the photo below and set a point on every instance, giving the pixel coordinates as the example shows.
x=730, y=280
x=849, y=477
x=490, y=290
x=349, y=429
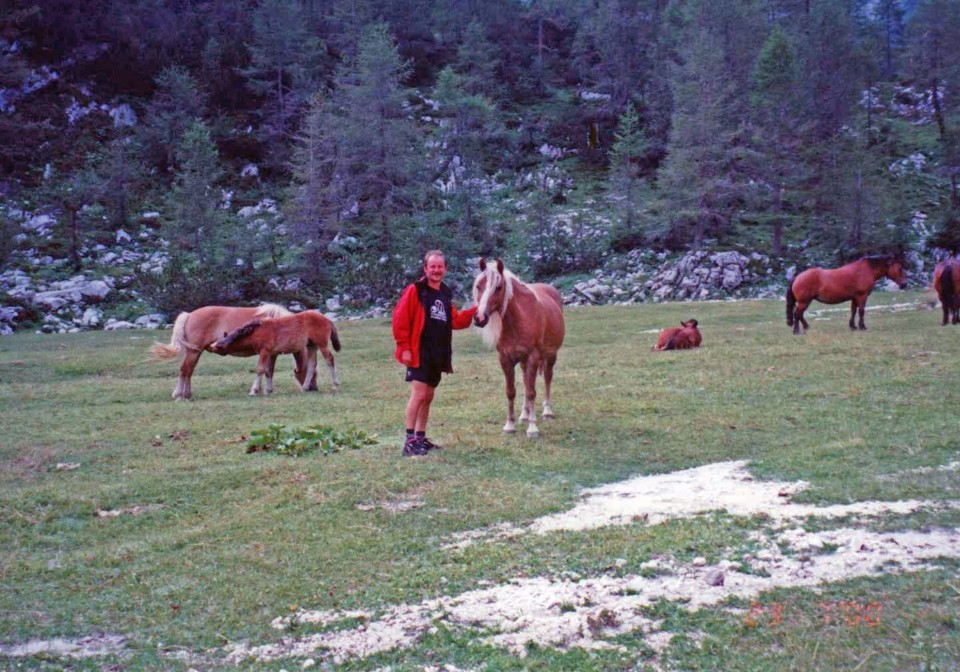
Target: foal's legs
x=262, y=364
x=189, y=363
x=510, y=378
x=271, y=365
x=547, y=379
x=331, y=364
x=311, y=372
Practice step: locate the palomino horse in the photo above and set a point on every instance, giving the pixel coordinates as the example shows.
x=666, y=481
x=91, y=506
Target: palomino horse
x=525, y=323
x=946, y=280
x=852, y=282
x=195, y=331
x=287, y=335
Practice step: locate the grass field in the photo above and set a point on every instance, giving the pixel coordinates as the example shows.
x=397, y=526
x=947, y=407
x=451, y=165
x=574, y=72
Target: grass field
x=212, y=544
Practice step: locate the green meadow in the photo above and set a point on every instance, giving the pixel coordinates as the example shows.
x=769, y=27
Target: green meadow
x=215, y=543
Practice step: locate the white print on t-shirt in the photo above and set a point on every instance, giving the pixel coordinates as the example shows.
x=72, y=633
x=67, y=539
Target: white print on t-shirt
x=438, y=312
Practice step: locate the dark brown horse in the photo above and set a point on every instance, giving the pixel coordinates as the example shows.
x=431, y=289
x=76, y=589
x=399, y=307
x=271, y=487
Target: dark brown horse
x=946, y=280
x=852, y=282
x=195, y=331
x=286, y=335
x=525, y=323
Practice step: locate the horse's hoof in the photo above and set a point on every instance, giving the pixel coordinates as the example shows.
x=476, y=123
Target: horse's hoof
x=533, y=435
x=549, y=416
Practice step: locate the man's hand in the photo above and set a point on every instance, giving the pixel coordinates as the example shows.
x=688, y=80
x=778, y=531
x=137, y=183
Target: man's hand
x=406, y=357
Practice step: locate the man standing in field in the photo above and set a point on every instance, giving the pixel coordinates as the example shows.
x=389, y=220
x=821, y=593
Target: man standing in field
x=423, y=324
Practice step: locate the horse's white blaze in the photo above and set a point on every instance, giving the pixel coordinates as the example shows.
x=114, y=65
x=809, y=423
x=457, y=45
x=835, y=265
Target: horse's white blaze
x=490, y=333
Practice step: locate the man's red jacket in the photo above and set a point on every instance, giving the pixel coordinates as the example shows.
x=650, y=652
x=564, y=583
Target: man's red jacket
x=409, y=319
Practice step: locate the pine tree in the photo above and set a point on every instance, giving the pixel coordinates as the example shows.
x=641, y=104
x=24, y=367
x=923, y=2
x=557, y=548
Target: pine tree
x=629, y=147
x=285, y=68
x=317, y=198
x=194, y=217
x=178, y=102
x=471, y=136
x=697, y=179
x=477, y=61
x=775, y=162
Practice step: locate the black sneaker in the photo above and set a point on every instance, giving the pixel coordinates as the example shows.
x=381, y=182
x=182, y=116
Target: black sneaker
x=413, y=447
x=430, y=445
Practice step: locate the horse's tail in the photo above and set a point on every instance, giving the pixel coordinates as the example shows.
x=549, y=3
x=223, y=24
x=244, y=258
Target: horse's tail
x=947, y=295
x=791, y=304
x=334, y=338
x=173, y=349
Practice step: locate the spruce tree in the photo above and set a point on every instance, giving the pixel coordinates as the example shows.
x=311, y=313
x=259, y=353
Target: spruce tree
x=629, y=147
x=285, y=68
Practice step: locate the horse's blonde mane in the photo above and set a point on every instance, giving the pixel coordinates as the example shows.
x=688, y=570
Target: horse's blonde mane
x=491, y=332
x=271, y=310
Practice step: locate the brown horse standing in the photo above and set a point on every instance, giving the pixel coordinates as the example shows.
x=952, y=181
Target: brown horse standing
x=287, y=335
x=195, y=331
x=852, y=282
x=946, y=280
x=525, y=323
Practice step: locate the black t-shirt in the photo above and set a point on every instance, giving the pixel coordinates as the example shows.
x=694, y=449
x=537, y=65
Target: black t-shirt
x=436, y=340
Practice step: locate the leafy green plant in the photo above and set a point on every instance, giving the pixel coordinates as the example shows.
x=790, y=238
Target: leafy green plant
x=295, y=442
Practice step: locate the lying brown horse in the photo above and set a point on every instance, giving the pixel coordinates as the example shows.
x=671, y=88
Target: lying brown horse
x=195, y=331
x=287, y=335
x=525, y=323
x=946, y=280
x=684, y=337
x=852, y=282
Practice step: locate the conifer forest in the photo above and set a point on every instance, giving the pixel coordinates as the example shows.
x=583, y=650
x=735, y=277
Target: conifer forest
x=191, y=152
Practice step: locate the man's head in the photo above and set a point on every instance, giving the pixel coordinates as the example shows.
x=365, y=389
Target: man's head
x=434, y=266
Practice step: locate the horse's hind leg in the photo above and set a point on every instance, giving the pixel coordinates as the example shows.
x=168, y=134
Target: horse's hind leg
x=189, y=363
x=510, y=379
x=862, y=306
x=547, y=380
x=331, y=364
x=271, y=365
x=799, y=319
x=311, y=372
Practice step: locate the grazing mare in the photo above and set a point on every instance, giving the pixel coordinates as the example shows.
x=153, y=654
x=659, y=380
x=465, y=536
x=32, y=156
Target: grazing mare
x=946, y=280
x=525, y=323
x=684, y=337
x=195, y=331
x=852, y=282
x=290, y=334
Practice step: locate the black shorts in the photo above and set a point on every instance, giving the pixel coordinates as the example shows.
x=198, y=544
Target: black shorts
x=428, y=372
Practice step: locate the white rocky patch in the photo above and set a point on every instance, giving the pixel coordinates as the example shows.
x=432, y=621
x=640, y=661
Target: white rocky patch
x=568, y=611
x=84, y=647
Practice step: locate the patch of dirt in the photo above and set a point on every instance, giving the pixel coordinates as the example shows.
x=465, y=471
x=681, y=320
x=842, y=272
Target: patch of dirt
x=134, y=510
x=406, y=501
x=84, y=647
x=568, y=611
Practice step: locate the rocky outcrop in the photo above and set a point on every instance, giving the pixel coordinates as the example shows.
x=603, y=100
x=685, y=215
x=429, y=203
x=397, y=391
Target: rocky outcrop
x=697, y=275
